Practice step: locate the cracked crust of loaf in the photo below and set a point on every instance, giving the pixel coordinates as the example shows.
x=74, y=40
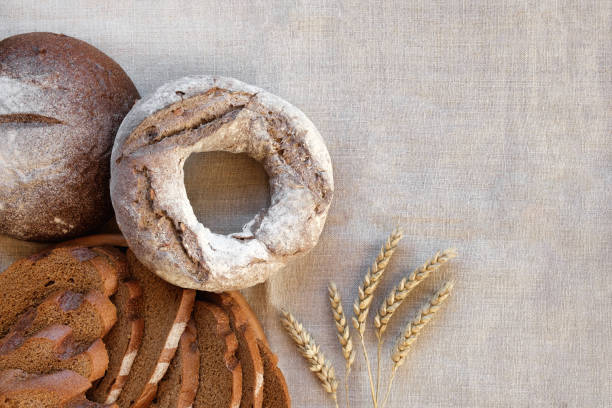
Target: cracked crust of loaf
x=199, y=114
x=61, y=103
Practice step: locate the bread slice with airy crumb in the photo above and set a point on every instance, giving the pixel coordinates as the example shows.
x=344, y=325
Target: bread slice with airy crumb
x=275, y=391
x=54, y=349
x=180, y=385
x=18, y=389
x=166, y=309
x=220, y=370
x=123, y=342
x=27, y=282
x=90, y=316
x=62, y=389
x=248, y=351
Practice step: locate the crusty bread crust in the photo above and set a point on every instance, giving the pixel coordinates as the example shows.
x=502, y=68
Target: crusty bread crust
x=200, y=114
x=96, y=240
x=52, y=172
x=190, y=364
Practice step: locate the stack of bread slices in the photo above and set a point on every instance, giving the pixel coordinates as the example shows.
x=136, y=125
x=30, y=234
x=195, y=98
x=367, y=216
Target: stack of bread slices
x=90, y=326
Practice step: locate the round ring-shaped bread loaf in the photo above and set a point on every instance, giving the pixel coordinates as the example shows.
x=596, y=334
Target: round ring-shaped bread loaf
x=203, y=114
x=61, y=103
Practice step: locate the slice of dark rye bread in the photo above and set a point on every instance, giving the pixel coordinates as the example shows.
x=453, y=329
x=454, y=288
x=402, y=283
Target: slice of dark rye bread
x=29, y=281
x=90, y=316
x=220, y=372
x=166, y=310
x=123, y=342
x=275, y=393
x=248, y=350
x=19, y=389
x=52, y=349
x=180, y=385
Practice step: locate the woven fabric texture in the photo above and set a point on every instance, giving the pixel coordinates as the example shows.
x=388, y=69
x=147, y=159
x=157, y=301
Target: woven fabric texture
x=480, y=125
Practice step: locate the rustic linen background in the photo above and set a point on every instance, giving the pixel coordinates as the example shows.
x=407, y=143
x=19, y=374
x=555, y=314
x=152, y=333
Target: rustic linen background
x=476, y=124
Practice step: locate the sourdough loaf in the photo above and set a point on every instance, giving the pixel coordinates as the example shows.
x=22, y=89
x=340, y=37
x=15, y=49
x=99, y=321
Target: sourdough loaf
x=220, y=370
x=201, y=114
x=54, y=349
x=27, y=282
x=61, y=102
x=166, y=310
x=90, y=316
x=123, y=342
x=180, y=385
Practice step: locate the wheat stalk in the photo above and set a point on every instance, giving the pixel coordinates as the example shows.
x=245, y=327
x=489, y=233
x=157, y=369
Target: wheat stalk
x=371, y=280
x=413, y=329
x=400, y=292
x=397, y=295
x=344, y=335
x=307, y=347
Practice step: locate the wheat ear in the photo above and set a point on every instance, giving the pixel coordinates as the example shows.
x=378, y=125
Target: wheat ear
x=413, y=329
x=307, y=347
x=362, y=305
x=344, y=334
x=397, y=295
x=400, y=292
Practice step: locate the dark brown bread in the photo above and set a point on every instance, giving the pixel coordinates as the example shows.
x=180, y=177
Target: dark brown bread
x=29, y=281
x=84, y=403
x=275, y=393
x=180, y=385
x=19, y=389
x=54, y=349
x=114, y=256
x=90, y=316
x=248, y=352
x=220, y=371
x=166, y=310
x=113, y=240
x=123, y=342
x=61, y=103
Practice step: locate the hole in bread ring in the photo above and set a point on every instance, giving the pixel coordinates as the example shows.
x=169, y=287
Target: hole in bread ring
x=218, y=114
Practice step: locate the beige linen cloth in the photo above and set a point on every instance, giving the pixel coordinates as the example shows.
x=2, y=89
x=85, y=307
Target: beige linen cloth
x=484, y=125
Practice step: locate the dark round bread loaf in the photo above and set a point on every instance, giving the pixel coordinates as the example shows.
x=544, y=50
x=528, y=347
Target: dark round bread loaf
x=61, y=103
